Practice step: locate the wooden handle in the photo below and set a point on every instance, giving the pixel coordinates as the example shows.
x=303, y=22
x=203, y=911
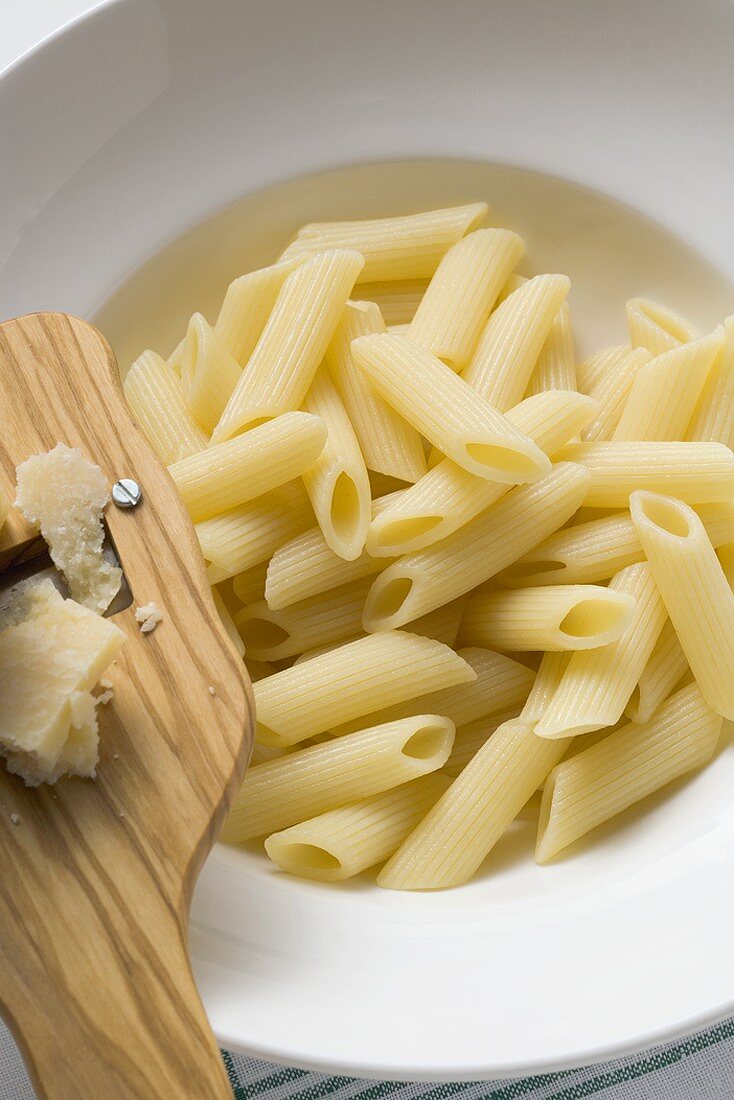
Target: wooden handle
x=97, y=877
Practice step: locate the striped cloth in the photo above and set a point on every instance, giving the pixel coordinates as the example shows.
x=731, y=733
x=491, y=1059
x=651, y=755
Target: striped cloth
x=698, y=1068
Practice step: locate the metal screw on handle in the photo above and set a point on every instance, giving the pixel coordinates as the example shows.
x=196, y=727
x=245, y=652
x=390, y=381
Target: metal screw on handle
x=126, y=493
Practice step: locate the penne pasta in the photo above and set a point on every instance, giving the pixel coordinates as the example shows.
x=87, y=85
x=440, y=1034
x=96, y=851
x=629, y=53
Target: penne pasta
x=249, y=585
x=556, y=365
x=562, y=617
x=389, y=444
x=342, y=843
x=625, y=767
x=593, y=371
x=441, y=406
x=461, y=294
x=459, y=831
x=407, y=247
x=258, y=670
x=208, y=372
x=426, y=579
x=665, y=391
x=612, y=392
x=174, y=359
x=397, y=301
x=156, y=398
x=508, y=349
x=292, y=344
x=299, y=785
x=694, y=589
x=726, y=557
x=656, y=328
x=663, y=672
x=713, y=419
x=344, y=684
x=547, y=679
x=337, y=482
x=442, y=624
x=471, y=737
x=697, y=473
x=448, y=497
x=597, y=683
x=247, y=305
x=240, y=469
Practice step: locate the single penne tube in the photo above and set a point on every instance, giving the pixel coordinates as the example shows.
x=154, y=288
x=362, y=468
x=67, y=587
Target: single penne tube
x=597, y=683
x=459, y=831
x=174, y=359
x=514, y=282
x=447, y=497
x=547, y=678
x=228, y=623
x=561, y=617
x=501, y=684
x=694, y=589
x=556, y=365
x=345, y=683
x=246, y=536
x=157, y=401
x=470, y=738
x=407, y=247
x=296, y=787
x=292, y=344
x=247, y=304
x=713, y=418
x=396, y=300
x=249, y=585
x=427, y=393
x=208, y=372
x=239, y=470
x=625, y=767
x=663, y=672
x=593, y=371
x=666, y=390
x=697, y=473
x=442, y=624
x=461, y=294
x=513, y=338
x=655, y=327
x=337, y=483
x=323, y=620
x=341, y=843
x=389, y=444
x=419, y=582
x=594, y=551
x=612, y=392
x=726, y=557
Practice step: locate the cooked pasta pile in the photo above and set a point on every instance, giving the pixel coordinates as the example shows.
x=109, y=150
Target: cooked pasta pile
x=467, y=573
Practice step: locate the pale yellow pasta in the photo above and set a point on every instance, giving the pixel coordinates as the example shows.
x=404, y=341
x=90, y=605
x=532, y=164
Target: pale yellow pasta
x=292, y=344
x=341, y=843
x=442, y=624
x=593, y=371
x=470, y=738
x=665, y=669
x=625, y=767
x=597, y=683
x=501, y=684
x=302, y=784
x=556, y=365
x=666, y=390
x=561, y=617
x=513, y=283
x=441, y=406
x=406, y=247
x=156, y=398
x=258, y=670
x=713, y=419
x=239, y=470
x=247, y=304
x=174, y=359
x=208, y=372
x=323, y=620
x=244, y=537
x=655, y=327
x=397, y=301
x=228, y=623
x=337, y=483
x=343, y=684
x=425, y=579
x=612, y=392
x=457, y=834
x=461, y=294
x=547, y=678
x=513, y=338
x=448, y=496
x=698, y=473
x=726, y=557
x=249, y=585
x=389, y=444
x=695, y=591
x=594, y=551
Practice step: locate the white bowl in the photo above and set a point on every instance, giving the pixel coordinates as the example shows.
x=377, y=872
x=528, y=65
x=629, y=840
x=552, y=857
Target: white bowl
x=152, y=115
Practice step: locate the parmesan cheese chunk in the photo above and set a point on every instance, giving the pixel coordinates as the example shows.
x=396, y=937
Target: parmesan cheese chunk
x=52, y=652
x=148, y=616
x=64, y=496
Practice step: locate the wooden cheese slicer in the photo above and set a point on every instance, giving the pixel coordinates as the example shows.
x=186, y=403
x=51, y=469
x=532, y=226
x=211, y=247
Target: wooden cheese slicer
x=96, y=876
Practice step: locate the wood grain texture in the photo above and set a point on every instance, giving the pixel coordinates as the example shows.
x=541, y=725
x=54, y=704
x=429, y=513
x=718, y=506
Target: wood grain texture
x=97, y=876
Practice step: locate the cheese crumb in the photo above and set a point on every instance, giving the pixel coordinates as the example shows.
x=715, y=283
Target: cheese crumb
x=15, y=818
x=106, y=683
x=104, y=698
x=64, y=495
x=212, y=691
x=148, y=616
